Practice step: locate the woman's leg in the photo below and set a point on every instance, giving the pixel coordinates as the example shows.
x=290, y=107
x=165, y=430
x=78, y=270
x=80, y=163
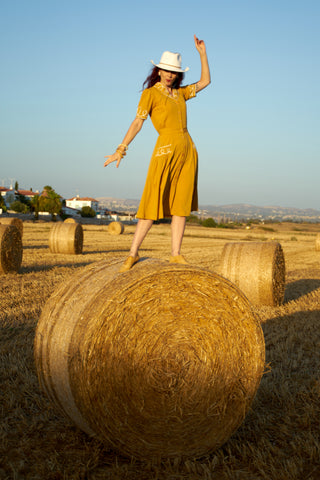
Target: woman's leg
x=142, y=229
x=177, y=230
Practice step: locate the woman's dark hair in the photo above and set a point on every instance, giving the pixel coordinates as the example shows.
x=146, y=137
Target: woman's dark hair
x=154, y=77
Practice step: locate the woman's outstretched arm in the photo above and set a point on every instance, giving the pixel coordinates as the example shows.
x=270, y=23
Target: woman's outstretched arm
x=133, y=130
x=205, y=78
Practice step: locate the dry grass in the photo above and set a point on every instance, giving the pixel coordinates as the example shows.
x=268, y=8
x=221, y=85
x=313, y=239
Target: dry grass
x=279, y=439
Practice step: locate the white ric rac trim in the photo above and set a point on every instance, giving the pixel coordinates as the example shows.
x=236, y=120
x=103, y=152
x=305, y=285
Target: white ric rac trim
x=163, y=150
x=143, y=114
x=163, y=90
x=193, y=90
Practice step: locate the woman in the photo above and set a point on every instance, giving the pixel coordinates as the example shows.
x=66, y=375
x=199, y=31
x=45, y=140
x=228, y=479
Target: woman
x=171, y=185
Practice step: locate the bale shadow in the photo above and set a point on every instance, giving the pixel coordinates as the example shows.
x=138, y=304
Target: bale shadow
x=297, y=333
x=124, y=250
x=293, y=355
x=284, y=421
x=47, y=268
x=299, y=288
x=35, y=247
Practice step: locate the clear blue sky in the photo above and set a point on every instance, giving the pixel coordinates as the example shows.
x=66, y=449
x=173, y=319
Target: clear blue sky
x=72, y=73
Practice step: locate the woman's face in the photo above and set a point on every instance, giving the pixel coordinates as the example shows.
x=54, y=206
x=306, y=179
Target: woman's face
x=167, y=78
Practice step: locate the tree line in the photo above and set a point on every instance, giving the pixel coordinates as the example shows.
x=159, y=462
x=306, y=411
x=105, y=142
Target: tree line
x=48, y=201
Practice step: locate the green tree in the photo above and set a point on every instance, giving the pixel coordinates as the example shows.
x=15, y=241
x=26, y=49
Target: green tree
x=25, y=200
x=16, y=186
x=35, y=206
x=87, y=212
x=50, y=201
x=2, y=204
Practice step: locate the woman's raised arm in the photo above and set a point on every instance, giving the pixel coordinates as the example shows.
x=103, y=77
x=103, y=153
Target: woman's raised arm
x=205, y=78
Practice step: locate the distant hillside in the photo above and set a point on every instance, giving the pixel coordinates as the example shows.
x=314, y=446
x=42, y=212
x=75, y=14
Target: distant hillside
x=246, y=211
x=237, y=211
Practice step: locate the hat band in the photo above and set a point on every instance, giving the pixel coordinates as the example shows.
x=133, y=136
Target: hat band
x=168, y=65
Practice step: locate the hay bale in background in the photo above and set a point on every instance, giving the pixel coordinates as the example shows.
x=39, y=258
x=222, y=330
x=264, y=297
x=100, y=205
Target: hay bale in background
x=257, y=268
x=17, y=222
x=161, y=361
x=71, y=220
x=66, y=238
x=116, y=228
x=317, y=245
x=10, y=249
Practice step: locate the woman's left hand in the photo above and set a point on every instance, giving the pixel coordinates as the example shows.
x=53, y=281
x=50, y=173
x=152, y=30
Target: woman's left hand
x=200, y=45
x=115, y=157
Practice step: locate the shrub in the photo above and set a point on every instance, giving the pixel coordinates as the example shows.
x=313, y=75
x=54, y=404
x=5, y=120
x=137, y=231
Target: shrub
x=87, y=212
x=209, y=222
x=193, y=219
x=267, y=229
x=19, y=207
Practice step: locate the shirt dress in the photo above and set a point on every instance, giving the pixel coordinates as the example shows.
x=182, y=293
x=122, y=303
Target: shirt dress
x=171, y=184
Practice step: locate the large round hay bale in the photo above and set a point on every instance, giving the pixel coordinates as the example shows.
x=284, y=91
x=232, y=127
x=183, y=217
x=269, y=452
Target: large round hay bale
x=71, y=220
x=66, y=238
x=257, y=268
x=116, y=228
x=161, y=361
x=17, y=222
x=10, y=249
x=317, y=245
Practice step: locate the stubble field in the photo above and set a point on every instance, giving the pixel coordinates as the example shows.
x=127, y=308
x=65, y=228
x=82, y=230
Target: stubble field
x=280, y=437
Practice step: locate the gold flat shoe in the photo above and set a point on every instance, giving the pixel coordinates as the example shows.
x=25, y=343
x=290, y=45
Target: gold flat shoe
x=128, y=263
x=178, y=259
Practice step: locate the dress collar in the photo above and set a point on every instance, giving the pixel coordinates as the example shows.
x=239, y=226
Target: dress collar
x=163, y=90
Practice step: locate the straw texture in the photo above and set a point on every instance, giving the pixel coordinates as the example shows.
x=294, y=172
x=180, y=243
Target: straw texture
x=10, y=249
x=17, y=222
x=161, y=361
x=66, y=238
x=317, y=245
x=116, y=228
x=257, y=268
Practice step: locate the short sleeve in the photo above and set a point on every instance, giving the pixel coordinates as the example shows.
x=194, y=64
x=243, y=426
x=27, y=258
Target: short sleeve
x=189, y=91
x=145, y=104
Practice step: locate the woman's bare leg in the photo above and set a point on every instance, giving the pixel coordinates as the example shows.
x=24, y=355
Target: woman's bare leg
x=142, y=229
x=177, y=230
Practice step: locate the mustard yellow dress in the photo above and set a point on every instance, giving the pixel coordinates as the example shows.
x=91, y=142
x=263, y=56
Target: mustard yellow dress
x=171, y=184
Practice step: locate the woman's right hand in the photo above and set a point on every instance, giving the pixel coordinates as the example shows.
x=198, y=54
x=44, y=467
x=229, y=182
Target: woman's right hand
x=115, y=157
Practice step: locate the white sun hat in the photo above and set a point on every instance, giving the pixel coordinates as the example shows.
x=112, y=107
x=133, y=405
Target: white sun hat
x=170, y=61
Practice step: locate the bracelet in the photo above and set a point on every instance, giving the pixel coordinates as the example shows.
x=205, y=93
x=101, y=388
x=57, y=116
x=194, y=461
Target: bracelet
x=121, y=153
x=124, y=146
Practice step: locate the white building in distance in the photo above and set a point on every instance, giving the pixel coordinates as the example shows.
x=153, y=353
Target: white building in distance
x=78, y=202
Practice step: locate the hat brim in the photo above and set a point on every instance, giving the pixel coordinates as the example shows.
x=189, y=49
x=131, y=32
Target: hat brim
x=169, y=68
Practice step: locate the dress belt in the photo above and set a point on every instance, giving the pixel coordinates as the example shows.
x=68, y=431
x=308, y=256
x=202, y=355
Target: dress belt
x=164, y=131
